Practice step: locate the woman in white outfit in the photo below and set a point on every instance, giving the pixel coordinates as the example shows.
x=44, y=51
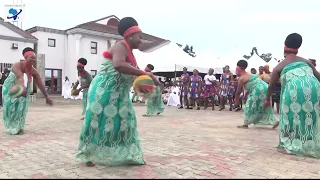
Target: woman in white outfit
x=66, y=88
x=174, y=97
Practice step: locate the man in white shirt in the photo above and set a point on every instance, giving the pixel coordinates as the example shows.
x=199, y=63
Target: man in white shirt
x=210, y=89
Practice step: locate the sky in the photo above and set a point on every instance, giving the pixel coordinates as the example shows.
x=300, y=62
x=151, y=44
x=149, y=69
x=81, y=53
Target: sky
x=221, y=27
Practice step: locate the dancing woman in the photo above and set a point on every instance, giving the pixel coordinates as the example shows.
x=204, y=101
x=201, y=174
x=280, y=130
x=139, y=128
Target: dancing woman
x=109, y=135
x=15, y=107
x=300, y=98
x=254, y=111
x=225, y=94
x=154, y=101
x=84, y=81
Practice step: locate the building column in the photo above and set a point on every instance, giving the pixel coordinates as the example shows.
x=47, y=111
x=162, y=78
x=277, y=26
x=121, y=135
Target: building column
x=41, y=68
x=78, y=47
x=74, y=53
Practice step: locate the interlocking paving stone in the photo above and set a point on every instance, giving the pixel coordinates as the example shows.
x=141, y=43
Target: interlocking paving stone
x=178, y=144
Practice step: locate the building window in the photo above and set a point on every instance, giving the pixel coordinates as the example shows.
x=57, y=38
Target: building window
x=3, y=66
x=51, y=42
x=93, y=73
x=94, y=47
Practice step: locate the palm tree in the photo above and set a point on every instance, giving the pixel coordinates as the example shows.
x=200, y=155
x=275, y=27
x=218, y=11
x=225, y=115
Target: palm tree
x=189, y=50
x=266, y=57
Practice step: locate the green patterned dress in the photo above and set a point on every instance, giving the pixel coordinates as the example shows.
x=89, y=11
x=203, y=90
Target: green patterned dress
x=84, y=82
x=155, y=103
x=300, y=98
x=109, y=135
x=254, y=111
x=14, y=109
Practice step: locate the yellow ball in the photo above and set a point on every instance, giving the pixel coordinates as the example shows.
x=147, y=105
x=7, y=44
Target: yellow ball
x=16, y=91
x=74, y=92
x=143, y=82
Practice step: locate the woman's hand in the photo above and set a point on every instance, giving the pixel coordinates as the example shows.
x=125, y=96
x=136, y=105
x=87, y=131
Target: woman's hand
x=144, y=90
x=244, y=100
x=267, y=103
x=24, y=92
x=149, y=74
x=49, y=101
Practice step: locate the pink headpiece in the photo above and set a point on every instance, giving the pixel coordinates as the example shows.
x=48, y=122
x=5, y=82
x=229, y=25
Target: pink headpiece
x=293, y=50
x=131, y=30
x=79, y=64
x=26, y=54
x=240, y=69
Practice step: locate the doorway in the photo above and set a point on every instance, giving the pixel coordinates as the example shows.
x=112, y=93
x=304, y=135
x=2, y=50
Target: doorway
x=53, y=81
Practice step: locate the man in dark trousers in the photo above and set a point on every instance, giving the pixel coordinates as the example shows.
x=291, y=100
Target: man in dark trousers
x=5, y=74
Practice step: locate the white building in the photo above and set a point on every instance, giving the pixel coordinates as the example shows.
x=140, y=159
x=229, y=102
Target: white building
x=12, y=41
x=63, y=48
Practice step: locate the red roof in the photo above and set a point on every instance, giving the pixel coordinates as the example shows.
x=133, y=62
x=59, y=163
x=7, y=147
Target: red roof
x=109, y=28
x=94, y=26
x=112, y=30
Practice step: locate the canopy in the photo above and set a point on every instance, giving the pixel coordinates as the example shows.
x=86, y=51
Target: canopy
x=169, y=58
x=209, y=60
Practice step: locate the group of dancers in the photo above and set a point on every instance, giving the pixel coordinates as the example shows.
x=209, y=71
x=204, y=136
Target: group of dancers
x=109, y=135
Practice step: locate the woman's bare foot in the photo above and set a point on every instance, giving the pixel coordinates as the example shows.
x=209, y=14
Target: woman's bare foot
x=283, y=151
x=243, y=127
x=237, y=109
x=275, y=125
x=20, y=132
x=90, y=164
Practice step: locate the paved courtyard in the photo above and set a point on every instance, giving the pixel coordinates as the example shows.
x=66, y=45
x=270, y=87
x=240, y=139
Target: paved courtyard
x=179, y=144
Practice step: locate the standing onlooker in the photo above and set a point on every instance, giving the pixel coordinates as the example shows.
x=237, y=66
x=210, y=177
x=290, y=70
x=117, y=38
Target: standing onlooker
x=4, y=76
x=184, y=80
x=261, y=72
x=195, y=88
x=225, y=93
x=253, y=71
x=210, y=90
x=267, y=74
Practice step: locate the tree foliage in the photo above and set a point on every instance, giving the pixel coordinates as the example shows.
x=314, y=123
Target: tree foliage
x=189, y=50
x=266, y=57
